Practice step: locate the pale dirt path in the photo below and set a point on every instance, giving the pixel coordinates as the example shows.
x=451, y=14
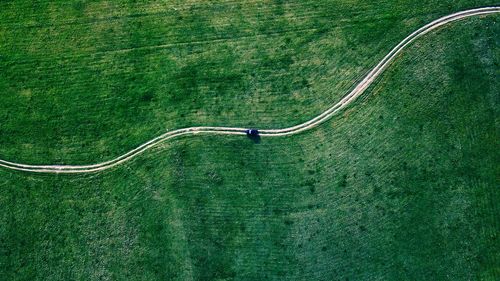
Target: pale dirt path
x=349, y=98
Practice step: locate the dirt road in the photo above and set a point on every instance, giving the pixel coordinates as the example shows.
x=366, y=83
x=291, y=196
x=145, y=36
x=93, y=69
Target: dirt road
x=345, y=101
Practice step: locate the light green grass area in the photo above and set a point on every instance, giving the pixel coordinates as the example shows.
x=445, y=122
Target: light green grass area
x=403, y=185
x=85, y=81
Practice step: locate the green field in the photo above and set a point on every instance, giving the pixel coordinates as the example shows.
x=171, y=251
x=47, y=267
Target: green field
x=86, y=81
x=403, y=185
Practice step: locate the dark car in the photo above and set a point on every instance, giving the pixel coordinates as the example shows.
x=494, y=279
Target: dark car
x=252, y=132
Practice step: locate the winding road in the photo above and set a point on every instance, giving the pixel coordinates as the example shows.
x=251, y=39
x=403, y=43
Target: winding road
x=345, y=101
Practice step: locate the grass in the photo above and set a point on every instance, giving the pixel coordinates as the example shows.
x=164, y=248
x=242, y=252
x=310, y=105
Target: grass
x=85, y=81
x=401, y=186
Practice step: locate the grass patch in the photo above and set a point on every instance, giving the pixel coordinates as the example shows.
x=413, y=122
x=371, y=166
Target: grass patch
x=119, y=73
x=402, y=186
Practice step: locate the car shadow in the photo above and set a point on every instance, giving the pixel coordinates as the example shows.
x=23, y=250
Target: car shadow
x=254, y=138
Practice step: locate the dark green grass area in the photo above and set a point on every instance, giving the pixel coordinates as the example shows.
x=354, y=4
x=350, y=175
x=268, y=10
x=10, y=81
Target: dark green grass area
x=85, y=81
x=402, y=186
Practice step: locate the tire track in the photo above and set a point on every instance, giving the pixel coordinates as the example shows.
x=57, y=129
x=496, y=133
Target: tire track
x=345, y=101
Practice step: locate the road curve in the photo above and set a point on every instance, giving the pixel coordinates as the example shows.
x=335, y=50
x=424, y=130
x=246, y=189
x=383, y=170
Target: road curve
x=346, y=100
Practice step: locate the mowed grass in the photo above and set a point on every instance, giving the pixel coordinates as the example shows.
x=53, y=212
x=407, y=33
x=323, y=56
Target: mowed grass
x=402, y=186
x=85, y=81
